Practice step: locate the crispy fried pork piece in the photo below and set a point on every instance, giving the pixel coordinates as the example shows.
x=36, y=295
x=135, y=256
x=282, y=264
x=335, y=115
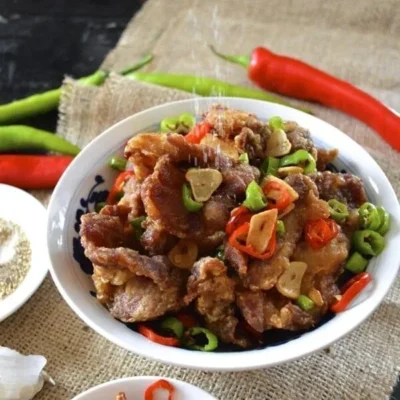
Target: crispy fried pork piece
x=120, y=396
x=263, y=274
x=132, y=199
x=267, y=310
x=236, y=259
x=156, y=240
x=228, y=122
x=141, y=299
x=210, y=243
x=214, y=293
x=327, y=260
x=300, y=138
x=164, y=187
x=346, y=188
x=101, y=230
x=143, y=152
x=254, y=144
x=325, y=156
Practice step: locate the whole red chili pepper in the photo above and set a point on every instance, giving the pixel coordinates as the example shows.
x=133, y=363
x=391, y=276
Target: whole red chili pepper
x=294, y=78
x=32, y=171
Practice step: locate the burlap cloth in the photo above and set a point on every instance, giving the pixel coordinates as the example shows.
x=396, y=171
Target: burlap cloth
x=358, y=41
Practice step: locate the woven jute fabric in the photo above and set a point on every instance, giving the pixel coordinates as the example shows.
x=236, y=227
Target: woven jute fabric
x=357, y=41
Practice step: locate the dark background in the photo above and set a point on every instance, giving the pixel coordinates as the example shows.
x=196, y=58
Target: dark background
x=42, y=40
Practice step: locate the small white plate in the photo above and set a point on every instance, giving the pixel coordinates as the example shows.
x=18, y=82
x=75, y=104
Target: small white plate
x=23, y=209
x=134, y=389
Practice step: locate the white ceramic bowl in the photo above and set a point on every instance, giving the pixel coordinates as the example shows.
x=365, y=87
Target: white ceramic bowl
x=134, y=389
x=89, y=175
x=23, y=209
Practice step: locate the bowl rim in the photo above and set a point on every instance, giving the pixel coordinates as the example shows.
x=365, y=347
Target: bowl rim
x=311, y=341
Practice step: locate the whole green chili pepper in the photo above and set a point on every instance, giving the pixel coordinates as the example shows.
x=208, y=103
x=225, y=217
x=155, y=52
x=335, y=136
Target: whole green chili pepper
x=305, y=303
x=137, y=226
x=384, y=218
x=212, y=340
x=275, y=123
x=207, y=87
x=244, y=158
x=21, y=137
x=339, y=211
x=280, y=228
x=368, y=242
x=99, y=206
x=255, y=198
x=369, y=217
x=302, y=157
x=118, y=163
x=172, y=324
x=356, y=263
x=270, y=166
x=182, y=124
x=190, y=204
x=47, y=101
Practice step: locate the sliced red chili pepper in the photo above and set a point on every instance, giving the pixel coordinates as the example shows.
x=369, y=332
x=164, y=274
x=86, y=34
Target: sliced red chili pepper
x=162, y=384
x=351, y=289
x=188, y=321
x=239, y=216
x=278, y=194
x=198, y=133
x=320, y=232
x=241, y=234
x=117, y=187
x=156, y=338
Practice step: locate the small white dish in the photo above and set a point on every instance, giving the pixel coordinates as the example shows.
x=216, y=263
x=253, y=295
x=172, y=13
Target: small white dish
x=88, y=178
x=23, y=209
x=134, y=389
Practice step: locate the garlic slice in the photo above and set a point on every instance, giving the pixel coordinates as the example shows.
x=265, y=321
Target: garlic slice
x=316, y=296
x=292, y=193
x=225, y=147
x=262, y=227
x=289, y=283
x=278, y=144
x=184, y=254
x=204, y=182
x=285, y=171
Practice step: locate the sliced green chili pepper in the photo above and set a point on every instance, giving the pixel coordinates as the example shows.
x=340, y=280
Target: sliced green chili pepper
x=275, y=123
x=255, y=198
x=44, y=102
x=368, y=242
x=300, y=157
x=118, y=163
x=280, y=228
x=207, y=87
x=172, y=324
x=190, y=204
x=384, y=218
x=270, y=166
x=212, y=340
x=339, y=211
x=220, y=253
x=244, y=158
x=99, y=206
x=137, y=226
x=182, y=124
x=369, y=217
x=305, y=303
x=21, y=137
x=356, y=263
